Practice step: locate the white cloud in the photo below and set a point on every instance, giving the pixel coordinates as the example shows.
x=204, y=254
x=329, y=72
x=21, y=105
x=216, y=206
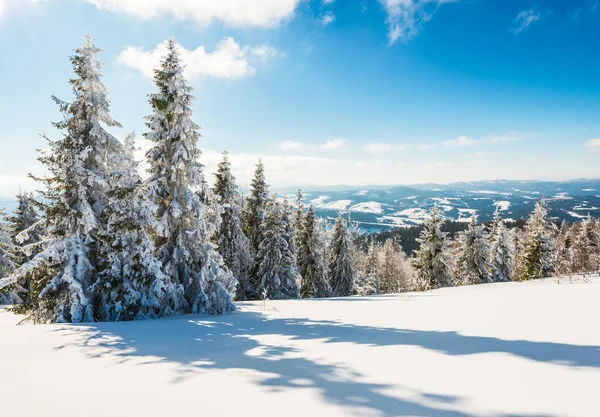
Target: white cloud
x=593, y=145
x=458, y=142
x=236, y=13
x=4, y=4
x=426, y=147
x=262, y=52
x=438, y=165
x=384, y=147
x=482, y=154
x=338, y=143
x=405, y=18
x=325, y=2
x=524, y=19
x=279, y=169
x=495, y=140
x=10, y=184
x=291, y=145
x=228, y=60
x=327, y=19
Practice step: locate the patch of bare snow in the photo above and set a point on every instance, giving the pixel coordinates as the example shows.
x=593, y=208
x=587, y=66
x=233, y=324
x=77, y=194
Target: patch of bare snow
x=502, y=205
x=368, y=207
x=320, y=200
x=337, y=205
x=375, y=356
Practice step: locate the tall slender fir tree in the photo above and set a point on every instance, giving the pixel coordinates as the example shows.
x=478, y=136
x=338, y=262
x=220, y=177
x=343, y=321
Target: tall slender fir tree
x=75, y=197
x=183, y=243
x=341, y=265
x=25, y=228
x=277, y=272
x=535, y=259
x=432, y=259
x=564, y=258
x=132, y=284
x=8, y=293
x=586, y=248
x=502, y=252
x=256, y=208
x=473, y=260
x=311, y=260
x=299, y=215
x=232, y=242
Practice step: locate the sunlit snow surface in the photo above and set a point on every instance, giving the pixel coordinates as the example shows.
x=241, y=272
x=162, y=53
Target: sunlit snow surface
x=516, y=349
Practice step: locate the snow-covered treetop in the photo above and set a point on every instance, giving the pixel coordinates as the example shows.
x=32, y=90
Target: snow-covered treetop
x=225, y=186
x=175, y=156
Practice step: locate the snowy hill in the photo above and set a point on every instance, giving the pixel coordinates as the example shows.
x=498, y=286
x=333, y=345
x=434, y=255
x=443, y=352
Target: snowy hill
x=516, y=349
x=378, y=208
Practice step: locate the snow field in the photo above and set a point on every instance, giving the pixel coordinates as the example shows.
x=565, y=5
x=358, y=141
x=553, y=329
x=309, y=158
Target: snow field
x=514, y=349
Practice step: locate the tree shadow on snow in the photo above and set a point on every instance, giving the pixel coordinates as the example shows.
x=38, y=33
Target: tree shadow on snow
x=201, y=343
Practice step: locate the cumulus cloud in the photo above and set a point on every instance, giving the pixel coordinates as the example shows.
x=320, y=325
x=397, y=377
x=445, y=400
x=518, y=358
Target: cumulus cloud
x=384, y=147
x=593, y=145
x=327, y=19
x=5, y=3
x=289, y=145
x=333, y=144
x=279, y=169
x=235, y=13
x=438, y=165
x=524, y=19
x=405, y=18
x=495, y=140
x=458, y=142
x=229, y=59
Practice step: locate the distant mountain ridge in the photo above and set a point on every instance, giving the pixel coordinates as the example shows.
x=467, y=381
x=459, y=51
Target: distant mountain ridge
x=382, y=207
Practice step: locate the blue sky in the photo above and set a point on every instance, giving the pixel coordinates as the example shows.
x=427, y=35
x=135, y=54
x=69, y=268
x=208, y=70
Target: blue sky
x=328, y=92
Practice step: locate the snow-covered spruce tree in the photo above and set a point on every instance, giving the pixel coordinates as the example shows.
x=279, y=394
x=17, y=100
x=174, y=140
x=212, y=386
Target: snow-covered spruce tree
x=535, y=259
x=256, y=208
x=277, y=273
x=25, y=228
x=395, y=272
x=232, y=242
x=564, y=256
x=299, y=215
x=8, y=293
x=586, y=248
x=473, y=257
x=311, y=260
x=131, y=284
x=367, y=282
x=502, y=252
x=183, y=245
x=75, y=196
x=25, y=219
x=431, y=261
x=341, y=264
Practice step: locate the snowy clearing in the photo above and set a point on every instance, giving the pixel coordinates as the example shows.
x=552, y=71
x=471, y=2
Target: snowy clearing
x=368, y=207
x=337, y=205
x=454, y=352
x=502, y=205
x=320, y=200
x=412, y=213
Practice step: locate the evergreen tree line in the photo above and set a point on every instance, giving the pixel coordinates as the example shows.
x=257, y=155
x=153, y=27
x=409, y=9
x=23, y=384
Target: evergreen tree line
x=409, y=235
x=483, y=254
x=104, y=244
